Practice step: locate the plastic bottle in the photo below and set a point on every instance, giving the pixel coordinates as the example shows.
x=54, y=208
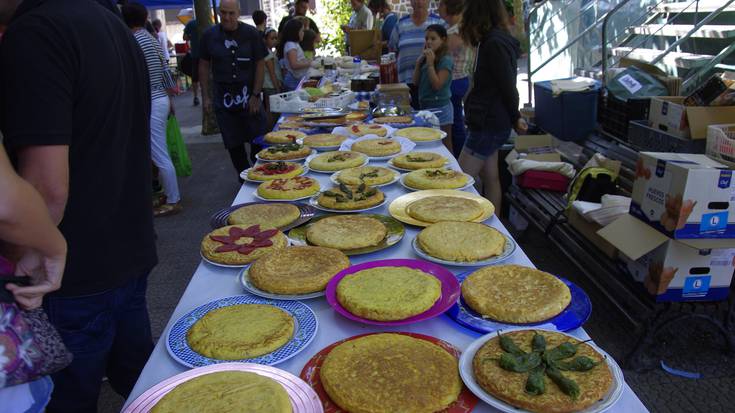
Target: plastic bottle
x=357, y=63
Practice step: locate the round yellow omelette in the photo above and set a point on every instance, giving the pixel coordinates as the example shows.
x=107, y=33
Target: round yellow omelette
x=346, y=232
x=297, y=270
x=351, y=197
x=272, y=215
x=515, y=294
x=291, y=188
x=337, y=160
x=241, y=244
x=393, y=120
x=436, y=178
x=220, y=391
x=509, y=386
x=377, y=147
x=419, y=160
x=444, y=208
x=241, y=331
x=275, y=170
x=293, y=124
x=419, y=134
x=284, y=152
x=461, y=241
x=283, y=136
x=388, y=293
x=389, y=373
x=362, y=129
x=324, y=139
x=369, y=175
x=356, y=116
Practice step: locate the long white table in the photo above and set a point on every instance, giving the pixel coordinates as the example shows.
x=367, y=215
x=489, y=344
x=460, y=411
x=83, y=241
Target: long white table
x=210, y=283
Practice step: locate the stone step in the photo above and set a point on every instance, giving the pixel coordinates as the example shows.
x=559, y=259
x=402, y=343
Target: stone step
x=679, y=59
x=679, y=30
x=705, y=6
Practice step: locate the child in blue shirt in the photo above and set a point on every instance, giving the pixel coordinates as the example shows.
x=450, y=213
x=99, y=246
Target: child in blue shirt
x=433, y=75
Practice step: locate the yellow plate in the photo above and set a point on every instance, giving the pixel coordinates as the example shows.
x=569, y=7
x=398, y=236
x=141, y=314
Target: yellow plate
x=398, y=207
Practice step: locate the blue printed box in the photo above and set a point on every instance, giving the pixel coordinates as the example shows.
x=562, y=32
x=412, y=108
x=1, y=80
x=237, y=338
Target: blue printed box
x=685, y=196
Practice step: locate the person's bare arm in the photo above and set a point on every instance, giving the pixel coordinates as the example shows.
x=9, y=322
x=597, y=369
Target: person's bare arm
x=294, y=61
x=204, y=82
x=270, y=66
x=25, y=222
x=437, y=79
x=47, y=169
x=254, y=101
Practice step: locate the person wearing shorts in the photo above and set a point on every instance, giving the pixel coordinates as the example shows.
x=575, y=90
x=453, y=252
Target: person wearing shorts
x=491, y=108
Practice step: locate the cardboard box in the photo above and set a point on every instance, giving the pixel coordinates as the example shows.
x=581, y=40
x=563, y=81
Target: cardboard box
x=691, y=270
x=668, y=113
x=589, y=231
x=536, y=148
x=684, y=196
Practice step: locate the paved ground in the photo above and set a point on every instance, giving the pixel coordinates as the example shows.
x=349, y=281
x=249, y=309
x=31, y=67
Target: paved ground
x=213, y=185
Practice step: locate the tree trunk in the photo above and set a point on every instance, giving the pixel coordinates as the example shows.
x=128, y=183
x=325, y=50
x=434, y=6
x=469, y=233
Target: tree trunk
x=203, y=10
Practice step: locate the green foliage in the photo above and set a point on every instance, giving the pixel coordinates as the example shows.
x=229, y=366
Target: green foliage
x=332, y=14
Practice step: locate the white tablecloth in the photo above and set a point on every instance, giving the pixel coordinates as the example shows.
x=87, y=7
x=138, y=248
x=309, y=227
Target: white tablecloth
x=210, y=283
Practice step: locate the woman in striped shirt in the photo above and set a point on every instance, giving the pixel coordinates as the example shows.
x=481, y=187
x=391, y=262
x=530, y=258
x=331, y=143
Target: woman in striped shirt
x=135, y=16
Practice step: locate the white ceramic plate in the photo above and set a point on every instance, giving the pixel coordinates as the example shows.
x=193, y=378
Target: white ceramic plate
x=313, y=201
x=510, y=248
x=257, y=195
x=395, y=179
x=470, y=182
x=468, y=377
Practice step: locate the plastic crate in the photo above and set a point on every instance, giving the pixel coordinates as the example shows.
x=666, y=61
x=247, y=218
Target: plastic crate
x=569, y=116
x=643, y=137
x=294, y=102
x=613, y=114
x=721, y=143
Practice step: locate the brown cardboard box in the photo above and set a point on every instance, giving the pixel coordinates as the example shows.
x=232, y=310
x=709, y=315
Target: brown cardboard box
x=673, y=270
x=589, y=231
x=667, y=113
x=536, y=147
x=366, y=44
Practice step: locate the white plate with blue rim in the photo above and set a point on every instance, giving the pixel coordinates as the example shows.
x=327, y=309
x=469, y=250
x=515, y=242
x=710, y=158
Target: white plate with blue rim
x=305, y=327
x=468, y=376
x=508, y=250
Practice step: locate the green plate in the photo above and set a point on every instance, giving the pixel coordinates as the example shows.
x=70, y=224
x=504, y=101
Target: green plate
x=394, y=227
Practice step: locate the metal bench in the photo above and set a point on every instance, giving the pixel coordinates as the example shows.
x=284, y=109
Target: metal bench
x=545, y=210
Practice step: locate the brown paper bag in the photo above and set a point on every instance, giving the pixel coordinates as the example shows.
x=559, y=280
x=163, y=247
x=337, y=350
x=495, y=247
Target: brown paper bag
x=366, y=44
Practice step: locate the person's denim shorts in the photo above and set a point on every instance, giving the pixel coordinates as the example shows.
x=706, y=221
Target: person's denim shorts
x=444, y=113
x=482, y=144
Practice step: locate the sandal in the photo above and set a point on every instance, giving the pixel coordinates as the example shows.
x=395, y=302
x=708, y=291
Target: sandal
x=167, y=210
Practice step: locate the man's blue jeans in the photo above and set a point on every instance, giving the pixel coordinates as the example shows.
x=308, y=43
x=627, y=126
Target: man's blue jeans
x=109, y=334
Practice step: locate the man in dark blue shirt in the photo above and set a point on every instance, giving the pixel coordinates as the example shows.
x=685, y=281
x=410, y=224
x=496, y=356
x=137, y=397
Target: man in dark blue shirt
x=235, y=53
x=75, y=118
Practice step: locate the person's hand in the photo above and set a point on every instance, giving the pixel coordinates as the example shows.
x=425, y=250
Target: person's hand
x=254, y=104
x=45, y=273
x=521, y=127
x=430, y=56
x=345, y=28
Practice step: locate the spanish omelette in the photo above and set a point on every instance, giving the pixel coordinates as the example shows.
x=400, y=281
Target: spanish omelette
x=419, y=160
x=388, y=293
x=283, y=136
x=272, y=215
x=377, y=147
x=420, y=134
x=275, y=170
x=369, y=175
x=346, y=232
x=336, y=160
x=444, y=208
x=241, y=244
x=220, y=391
x=297, y=270
x=324, y=139
x=436, y=178
x=284, y=152
x=291, y=188
x=461, y=241
x=241, y=331
x=510, y=386
x=388, y=373
x=351, y=197
x=515, y=294
x=362, y=129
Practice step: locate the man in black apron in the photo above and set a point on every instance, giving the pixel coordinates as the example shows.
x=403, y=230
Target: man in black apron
x=234, y=52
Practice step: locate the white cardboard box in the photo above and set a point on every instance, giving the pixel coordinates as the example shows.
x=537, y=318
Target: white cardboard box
x=668, y=113
x=689, y=270
x=685, y=196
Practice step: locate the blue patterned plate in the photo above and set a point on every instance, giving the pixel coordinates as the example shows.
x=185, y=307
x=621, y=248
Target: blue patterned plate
x=304, y=332
x=576, y=313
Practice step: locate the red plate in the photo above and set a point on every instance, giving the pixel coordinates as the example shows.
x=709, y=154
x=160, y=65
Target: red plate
x=310, y=374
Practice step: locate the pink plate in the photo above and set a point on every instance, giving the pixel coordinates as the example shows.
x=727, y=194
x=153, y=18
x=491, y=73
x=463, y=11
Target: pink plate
x=449, y=296
x=303, y=398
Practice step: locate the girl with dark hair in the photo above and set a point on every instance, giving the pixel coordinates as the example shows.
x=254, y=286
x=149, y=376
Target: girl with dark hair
x=291, y=54
x=433, y=75
x=491, y=107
